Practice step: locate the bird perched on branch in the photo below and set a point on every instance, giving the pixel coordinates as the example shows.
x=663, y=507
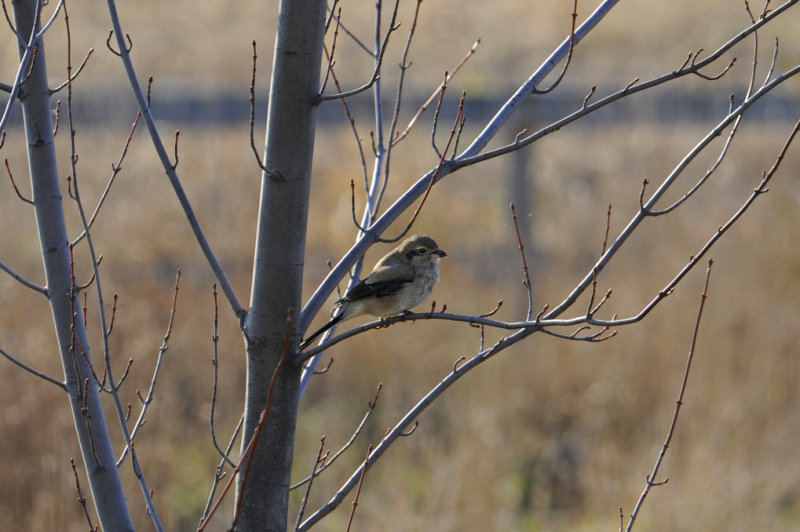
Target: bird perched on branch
x=399, y=282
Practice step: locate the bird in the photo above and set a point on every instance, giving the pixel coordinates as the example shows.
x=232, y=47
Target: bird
x=400, y=281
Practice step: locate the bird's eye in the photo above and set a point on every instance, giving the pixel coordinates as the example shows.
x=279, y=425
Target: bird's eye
x=421, y=251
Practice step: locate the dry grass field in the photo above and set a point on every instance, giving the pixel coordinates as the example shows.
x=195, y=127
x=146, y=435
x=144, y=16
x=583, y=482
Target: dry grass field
x=549, y=435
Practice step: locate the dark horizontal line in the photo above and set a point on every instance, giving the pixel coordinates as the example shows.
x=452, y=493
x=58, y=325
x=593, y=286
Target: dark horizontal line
x=231, y=108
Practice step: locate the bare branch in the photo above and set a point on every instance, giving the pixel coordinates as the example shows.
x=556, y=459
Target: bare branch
x=436, y=93
x=563, y=72
x=144, y=107
x=81, y=497
x=77, y=72
x=347, y=32
x=527, y=281
x=32, y=371
x=358, y=490
x=257, y=155
x=353, y=437
x=408, y=420
x=404, y=65
x=545, y=321
x=215, y=364
x=678, y=404
x=125, y=49
x=378, y=61
x=219, y=474
x=472, y=154
x=668, y=181
x=434, y=176
x=322, y=455
x=115, y=170
x=248, y=453
x=527, y=87
x=162, y=350
x=23, y=281
x=332, y=53
x=352, y=122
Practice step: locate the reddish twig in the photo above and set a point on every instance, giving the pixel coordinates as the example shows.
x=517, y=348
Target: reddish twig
x=378, y=55
x=175, y=149
x=14, y=184
x=679, y=403
x=215, y=364
x=435, y=175
x=356, y=432
x=81, y=497
x=358, y=490
x=527, y=281
x=115, y=170
x=322, y=455
x=247, y=455
x=162, y=350
x=591, y=308
x=259, y=161
x=330, y=56
x=569, y=54
x=113, y=315
x=404, y=65
x=75, y=75
x=442, y=86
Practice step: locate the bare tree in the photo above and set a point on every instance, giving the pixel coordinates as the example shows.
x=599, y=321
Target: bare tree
x=305, y=77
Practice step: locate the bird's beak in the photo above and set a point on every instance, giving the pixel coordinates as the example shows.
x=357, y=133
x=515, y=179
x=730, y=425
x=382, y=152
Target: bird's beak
x=440, y=252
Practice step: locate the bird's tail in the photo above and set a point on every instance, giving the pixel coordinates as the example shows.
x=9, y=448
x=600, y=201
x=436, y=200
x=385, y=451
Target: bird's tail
x=336, y=319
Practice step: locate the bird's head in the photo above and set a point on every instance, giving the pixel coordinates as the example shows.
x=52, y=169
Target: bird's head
x=421, y=250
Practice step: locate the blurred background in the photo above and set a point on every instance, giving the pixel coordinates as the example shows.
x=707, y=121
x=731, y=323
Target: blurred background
x=549, y=435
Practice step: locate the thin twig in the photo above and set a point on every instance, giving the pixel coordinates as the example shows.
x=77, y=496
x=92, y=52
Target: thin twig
x=249, y=452
x=563, y=72
x=650, y=481
x=219, y=474
x=115, y=170
x=358, y=490
x=215, y=364
x=330, y=56
x=28, y=284
x=256, y=154
x=158, y=144
x=322, y=455
x=14, y=184
x=473, y=155
x=356, y=432
x=404, y=65
x=436, y=92
x=378, y=63
x=81, y=497
x=527, y=281
x=156, y=370
x=637, y=219
x=76, y=74
x=731, y=134
x=433, y=178
x=32, y=371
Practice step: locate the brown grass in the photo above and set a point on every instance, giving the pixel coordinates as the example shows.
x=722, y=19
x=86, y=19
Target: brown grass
x=549, y=435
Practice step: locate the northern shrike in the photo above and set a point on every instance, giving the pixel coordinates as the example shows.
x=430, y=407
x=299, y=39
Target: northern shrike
x=399, y=282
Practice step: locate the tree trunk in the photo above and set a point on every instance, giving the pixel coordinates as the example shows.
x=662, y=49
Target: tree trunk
x=278, y=265
x=87, y=411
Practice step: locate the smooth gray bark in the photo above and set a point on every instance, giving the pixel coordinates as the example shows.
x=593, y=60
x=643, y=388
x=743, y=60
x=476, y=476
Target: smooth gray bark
x=84, y=400
x=278, y=264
